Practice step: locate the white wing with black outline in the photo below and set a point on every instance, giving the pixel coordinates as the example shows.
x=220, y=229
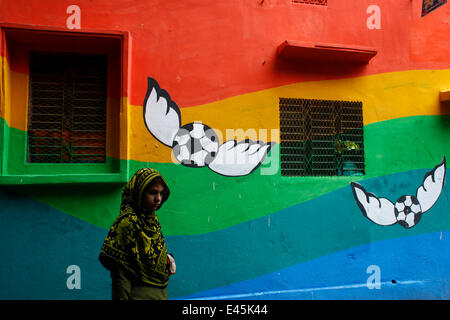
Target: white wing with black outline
x=379, y=210
x=431, y=188
x=161, y=115
x=239, y=159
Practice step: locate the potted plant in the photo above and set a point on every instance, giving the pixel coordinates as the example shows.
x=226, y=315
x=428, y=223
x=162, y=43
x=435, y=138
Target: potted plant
x=346, y=149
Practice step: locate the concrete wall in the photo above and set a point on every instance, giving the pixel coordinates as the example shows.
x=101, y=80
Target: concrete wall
x=259, y=235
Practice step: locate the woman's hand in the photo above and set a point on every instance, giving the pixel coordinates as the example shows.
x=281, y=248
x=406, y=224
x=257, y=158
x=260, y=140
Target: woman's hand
x=171, y=263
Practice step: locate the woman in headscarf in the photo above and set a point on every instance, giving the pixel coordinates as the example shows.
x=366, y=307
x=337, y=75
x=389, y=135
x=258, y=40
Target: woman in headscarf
x=134, y=250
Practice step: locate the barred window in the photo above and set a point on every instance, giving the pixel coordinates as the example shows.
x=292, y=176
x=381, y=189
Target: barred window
x=321, y=137
x=67, y=108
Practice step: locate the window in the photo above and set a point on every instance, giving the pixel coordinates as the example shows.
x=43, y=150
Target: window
x=67, y=109
x=62, y=116
x=321, y=137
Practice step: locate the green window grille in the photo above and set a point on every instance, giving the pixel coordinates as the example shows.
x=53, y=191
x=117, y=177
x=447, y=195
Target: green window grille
x=321, y=137
x=67, y=108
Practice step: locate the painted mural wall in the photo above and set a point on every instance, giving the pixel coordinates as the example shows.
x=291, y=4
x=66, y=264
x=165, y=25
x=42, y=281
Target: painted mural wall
x=207, y=74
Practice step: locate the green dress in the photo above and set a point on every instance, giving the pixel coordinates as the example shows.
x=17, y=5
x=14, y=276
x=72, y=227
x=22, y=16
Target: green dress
x=134, y=250
x=126, y=287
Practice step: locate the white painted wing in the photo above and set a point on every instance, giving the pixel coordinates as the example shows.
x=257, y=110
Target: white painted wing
x=378, y=210
x=239, y=159
x=431, y=188
x=161, y=115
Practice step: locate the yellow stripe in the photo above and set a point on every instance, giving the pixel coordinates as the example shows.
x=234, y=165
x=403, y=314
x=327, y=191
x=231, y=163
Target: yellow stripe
x=384, y=96
x=13, y=97
x=4, y=86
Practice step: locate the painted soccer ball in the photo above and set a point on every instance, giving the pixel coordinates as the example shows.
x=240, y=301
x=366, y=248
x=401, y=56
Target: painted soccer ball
x=408, y=211
x=195, y=145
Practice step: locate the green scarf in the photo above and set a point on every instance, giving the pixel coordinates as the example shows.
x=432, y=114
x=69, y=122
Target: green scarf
x=135, y=241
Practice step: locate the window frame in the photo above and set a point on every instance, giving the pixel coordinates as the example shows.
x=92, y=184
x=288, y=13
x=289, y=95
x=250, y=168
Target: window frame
x=14, y=86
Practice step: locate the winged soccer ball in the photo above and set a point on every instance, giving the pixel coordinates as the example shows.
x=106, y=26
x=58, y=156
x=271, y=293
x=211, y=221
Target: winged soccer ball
x=196, y=144
x=408, y=209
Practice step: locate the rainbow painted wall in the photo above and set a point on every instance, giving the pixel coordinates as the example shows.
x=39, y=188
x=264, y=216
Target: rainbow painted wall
x=255, y=236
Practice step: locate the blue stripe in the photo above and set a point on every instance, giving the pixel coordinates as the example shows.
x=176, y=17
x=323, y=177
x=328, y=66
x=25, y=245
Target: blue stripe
x=38, y=243
x=307, y=231
x=413, y=267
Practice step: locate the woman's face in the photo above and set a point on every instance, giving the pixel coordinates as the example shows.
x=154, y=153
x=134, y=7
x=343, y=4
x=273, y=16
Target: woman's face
x=152, y=197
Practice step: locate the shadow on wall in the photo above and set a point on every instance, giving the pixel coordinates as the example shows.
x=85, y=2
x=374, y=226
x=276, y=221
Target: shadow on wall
x=444, y=107
x=317, y=70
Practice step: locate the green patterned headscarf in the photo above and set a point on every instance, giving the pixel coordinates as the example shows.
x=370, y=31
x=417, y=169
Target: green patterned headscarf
x=135, y=241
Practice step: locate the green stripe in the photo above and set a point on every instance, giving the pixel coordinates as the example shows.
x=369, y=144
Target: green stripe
x=202, y=201
x=15, y=170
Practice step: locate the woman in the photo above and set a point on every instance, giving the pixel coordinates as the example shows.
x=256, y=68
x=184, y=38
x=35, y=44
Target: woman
x=134, y=250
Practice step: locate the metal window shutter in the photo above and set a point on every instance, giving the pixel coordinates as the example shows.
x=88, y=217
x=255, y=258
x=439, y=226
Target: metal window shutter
x=67, y=109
